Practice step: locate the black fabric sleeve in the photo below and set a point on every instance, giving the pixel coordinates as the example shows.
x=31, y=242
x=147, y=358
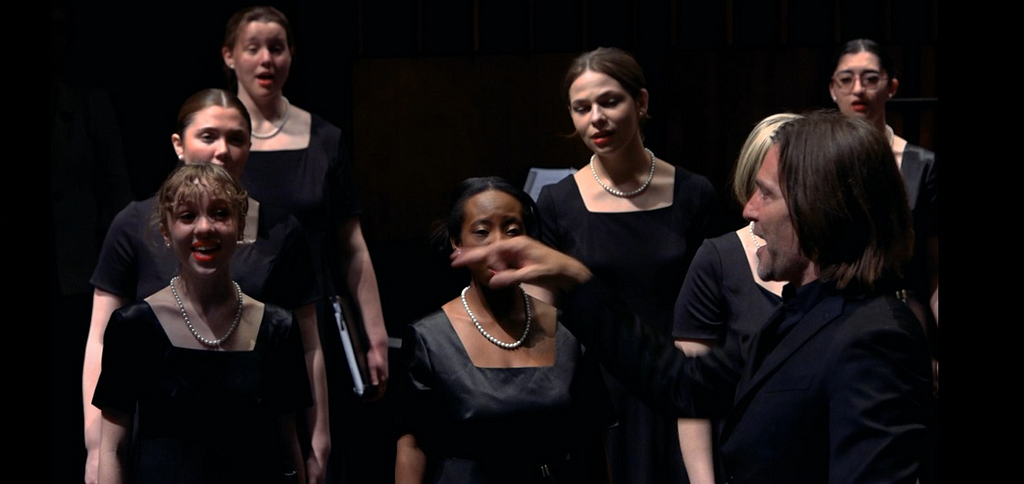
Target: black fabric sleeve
x=124, y=359
x=287, y=383
x=292, y=281
x=419, y=408
x=344, y=202
x=645, y=362
x=878, y=399
x=116, y=270
x=547, y=211
x=699, y=308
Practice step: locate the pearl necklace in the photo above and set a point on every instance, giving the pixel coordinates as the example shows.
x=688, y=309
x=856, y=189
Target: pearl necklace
x=284, y=119
x=215, y=342
x=620, y=193
x=889, y=134
x=757, y=245
x=492, y=339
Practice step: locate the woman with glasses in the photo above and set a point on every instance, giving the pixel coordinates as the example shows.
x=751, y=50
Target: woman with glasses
x=863, y=81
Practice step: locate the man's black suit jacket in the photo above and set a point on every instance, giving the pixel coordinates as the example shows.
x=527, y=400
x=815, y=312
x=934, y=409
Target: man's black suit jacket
x=843, y=398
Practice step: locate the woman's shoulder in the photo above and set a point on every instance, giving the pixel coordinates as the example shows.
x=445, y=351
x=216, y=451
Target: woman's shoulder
x=728, y=241
x=132, y=321
x=277, y=317
x=135, y=311
x=913, y=154
x=431, y=323
x=135, y=214
x=560, y=192
x=925, y=152
x=320, y=127
x=689, y=181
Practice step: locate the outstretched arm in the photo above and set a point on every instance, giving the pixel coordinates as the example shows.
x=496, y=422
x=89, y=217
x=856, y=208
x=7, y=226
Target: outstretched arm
x=362, y=283
x=524, y=260
x=647, y=363
x=103, y=305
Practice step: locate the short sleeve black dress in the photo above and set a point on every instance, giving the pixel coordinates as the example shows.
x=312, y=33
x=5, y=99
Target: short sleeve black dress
x=203, y=416
x=643, y=257
x=501, y=425
x=720, y=302
x=315, y=185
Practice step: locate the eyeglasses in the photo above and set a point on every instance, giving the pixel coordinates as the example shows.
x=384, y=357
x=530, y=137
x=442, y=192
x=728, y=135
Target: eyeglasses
x=870, y=80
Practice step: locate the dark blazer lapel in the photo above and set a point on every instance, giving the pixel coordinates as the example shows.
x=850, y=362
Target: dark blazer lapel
x=815, y=320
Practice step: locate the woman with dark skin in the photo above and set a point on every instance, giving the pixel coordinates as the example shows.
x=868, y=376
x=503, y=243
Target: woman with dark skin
x=491, y=361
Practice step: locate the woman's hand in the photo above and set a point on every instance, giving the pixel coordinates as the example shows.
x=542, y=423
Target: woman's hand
x=377, y=367
x=524, y=260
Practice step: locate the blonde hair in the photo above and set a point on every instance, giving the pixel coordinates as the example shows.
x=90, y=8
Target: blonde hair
x=752, y=154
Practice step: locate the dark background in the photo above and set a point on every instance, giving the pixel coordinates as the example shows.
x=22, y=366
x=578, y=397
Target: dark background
x=431, y=92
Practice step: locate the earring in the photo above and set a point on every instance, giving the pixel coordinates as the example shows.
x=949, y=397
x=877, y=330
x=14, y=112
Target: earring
x=833, y=99
x=890, y=95
x=167, y=244
x=231, y=66
x=641, y=113
x=181, y=157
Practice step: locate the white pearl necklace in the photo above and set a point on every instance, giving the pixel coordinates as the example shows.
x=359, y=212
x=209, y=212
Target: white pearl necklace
x=492, y=339
x=284, y=119
x=208, y=342
x=620, y=193
x=757, y=245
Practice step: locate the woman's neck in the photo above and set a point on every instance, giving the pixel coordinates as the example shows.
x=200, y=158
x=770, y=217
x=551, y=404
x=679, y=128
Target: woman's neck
x=502, y=304
x=267, y=109
x=626, y=164
x=207, y=293
x=880, y=124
